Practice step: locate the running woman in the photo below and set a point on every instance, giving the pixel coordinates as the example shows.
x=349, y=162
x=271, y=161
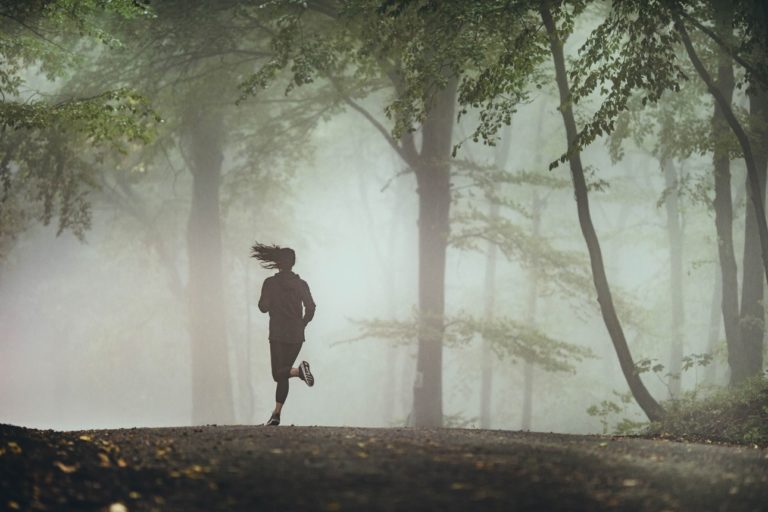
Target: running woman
x=282, y=296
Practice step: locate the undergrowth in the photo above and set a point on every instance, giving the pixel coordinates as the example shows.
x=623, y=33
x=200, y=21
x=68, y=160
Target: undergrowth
x=736, y=415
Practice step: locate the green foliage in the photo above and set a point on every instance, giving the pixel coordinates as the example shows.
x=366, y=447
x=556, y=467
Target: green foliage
x=412, y=47
x=731, y=415
x=606, y=409
x=688, y=362
x=613, y=414
x=51, y=34
x=517, y=341
x=509, y=339
x=633, y=49
x=490, y=180
x=113, y=116
x=634, y=59
x=566, y=270
x=48, y=138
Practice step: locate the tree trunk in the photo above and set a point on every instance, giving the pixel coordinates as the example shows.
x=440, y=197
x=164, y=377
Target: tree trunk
x=752, y=317
x=537, y=205
x=211, y=389
x=723, y=203
x=723, y=22
x=391, y=286
x=486, y=376
x=675, y=236
x=434, y=189
x=713, y=333
x=491, y=256
x=245, y=373
x=644, y=399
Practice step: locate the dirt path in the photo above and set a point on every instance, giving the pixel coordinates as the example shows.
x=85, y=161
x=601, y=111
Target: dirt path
x=337, y=469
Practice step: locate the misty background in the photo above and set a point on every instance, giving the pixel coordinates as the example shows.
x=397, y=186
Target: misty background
x=92, y=334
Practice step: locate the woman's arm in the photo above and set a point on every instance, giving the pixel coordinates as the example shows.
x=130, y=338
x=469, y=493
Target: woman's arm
x=264, y=301
x=309, y=305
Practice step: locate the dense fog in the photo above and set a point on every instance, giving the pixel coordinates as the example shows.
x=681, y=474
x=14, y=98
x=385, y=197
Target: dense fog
x=95, y=332
x=92, y=337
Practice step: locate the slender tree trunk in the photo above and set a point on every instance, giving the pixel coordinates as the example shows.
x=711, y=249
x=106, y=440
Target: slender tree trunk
x=723, y=201
x=491, y=257
x=713, y=333
x=486, y=376
x=245, y=375
x=675, y=236
x=752, y=317
x=644, y=399
x=723, y=22
x=434, y=188
x=537, y=205
x=393, y=351
x=211, y=388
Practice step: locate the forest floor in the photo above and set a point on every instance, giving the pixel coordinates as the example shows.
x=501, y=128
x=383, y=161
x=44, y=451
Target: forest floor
x=336, y=469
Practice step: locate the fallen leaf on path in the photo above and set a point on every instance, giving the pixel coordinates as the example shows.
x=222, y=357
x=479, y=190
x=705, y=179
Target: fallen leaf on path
x=118, y=507
x=104, y=460
x=630, y=482
x=195, y=471
x=64, y=468
x=14, y=447
x=85, y=438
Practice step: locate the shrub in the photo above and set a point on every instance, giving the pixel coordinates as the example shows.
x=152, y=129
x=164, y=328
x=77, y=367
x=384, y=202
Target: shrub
x=731, y=415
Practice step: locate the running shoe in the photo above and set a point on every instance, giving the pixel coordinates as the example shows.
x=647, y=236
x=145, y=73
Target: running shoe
x=305, y=374
x=274, y=421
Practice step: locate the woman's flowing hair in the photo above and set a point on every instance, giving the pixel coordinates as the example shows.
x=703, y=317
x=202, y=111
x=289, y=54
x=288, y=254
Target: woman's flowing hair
x=273, y=256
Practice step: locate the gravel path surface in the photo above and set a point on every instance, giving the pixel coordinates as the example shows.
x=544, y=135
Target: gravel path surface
x=335, y=469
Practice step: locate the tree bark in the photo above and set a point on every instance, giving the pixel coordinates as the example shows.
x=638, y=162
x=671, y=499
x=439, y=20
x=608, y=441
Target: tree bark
x=713, y=332
x=211, y=389
x=752, y=314
x=647, y=403
x=434, y=188
x=741, y=367
x=724, y=10
x=723, y=201
x=675, y=237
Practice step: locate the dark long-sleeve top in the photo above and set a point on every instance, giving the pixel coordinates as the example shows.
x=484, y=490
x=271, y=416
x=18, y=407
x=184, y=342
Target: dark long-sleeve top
x=286, y=297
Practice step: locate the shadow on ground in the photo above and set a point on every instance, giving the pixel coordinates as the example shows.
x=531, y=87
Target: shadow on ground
x=335, y=469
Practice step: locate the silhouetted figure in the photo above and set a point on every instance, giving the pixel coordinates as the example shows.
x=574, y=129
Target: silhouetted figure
x=286, y=297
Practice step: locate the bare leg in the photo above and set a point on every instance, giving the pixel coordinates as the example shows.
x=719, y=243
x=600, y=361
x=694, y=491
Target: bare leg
x=279, y=406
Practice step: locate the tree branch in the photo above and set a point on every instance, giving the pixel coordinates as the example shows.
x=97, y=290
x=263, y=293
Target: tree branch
x=35, y=32
x=741, y=136
x=408, y=156
x=761, y=77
